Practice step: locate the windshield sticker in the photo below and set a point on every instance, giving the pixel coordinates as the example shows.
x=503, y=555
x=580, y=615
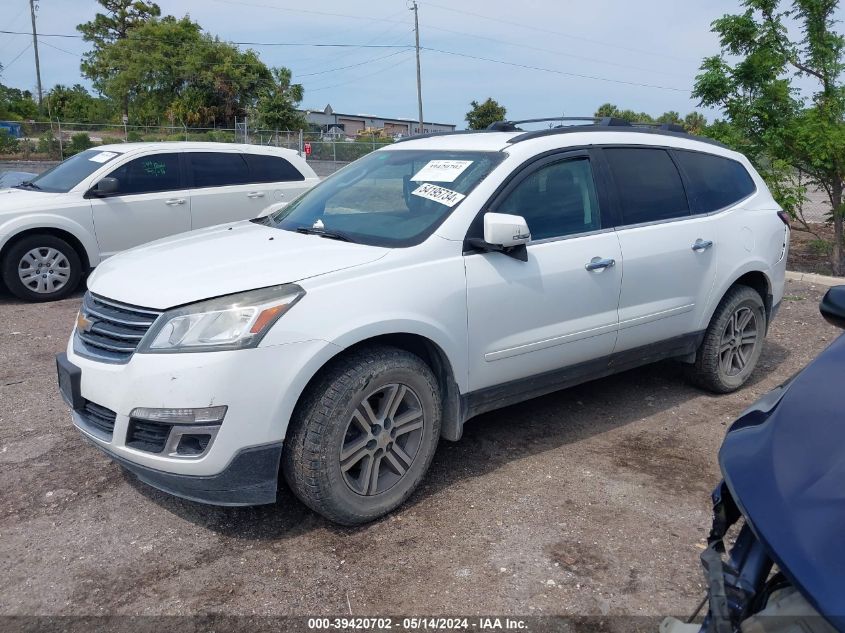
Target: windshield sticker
x=102, y=157
x=438, y=194
x=442, y=170
x=155, y=168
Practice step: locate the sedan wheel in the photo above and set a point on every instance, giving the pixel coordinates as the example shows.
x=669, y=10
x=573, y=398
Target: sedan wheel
x=44, y=270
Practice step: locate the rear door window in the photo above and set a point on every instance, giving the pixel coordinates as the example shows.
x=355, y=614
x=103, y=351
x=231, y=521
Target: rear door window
x=648, y=184
x=715, y=182
x=218, y=169
x=263, y=168
x=148, y=174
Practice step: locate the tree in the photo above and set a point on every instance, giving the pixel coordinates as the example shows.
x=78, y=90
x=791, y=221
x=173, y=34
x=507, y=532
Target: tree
x=122, y=16
x=483, y=114
x=694, y=122
x=170, y=69
x=16, y=105
x=787, y=132
x=78, y=105
x=277, y=105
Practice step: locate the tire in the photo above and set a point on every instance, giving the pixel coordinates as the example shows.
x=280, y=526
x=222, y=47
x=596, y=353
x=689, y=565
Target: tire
x=58, y=260
x=329, y=446
x=723, y=364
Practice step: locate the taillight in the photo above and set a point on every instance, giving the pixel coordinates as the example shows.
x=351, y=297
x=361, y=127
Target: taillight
x=784, y=217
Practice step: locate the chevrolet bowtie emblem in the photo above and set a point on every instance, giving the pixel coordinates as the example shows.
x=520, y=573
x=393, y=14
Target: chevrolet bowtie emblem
x=83, y=323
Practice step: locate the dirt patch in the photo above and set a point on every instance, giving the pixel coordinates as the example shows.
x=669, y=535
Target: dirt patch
x=809, y=253
x=590, y=501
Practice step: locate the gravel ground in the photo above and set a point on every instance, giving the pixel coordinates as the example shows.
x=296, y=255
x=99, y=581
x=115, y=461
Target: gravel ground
x=589, y=501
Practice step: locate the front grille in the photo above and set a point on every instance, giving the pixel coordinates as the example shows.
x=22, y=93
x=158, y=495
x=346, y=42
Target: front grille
x=98, y=420
x=115, y=328
x=147, y=436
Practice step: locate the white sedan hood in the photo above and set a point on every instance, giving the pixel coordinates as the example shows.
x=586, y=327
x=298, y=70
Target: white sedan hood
x=17, y=200
x=221, y=260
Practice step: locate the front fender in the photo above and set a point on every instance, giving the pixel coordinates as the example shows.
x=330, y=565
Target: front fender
x=33, y=221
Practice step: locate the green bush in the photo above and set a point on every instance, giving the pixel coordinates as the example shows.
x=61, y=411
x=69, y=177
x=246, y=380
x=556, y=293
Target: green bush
x=47, y=144
x=134, y=137
x=8, y=143
x=110, y=140
x=79, y=142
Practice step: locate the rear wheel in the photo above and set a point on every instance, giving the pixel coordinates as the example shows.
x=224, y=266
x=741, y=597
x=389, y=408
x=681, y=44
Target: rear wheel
x=364, y=435
x=41, y=268
x=732, y=343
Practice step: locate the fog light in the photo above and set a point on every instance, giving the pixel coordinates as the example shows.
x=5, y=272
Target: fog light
x=203, y=415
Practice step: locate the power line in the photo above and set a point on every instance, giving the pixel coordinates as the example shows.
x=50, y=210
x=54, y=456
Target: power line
x=64, y=50
x=162, y=39
x=366, y=61
x=553, y=32
x=360, y=77
x=16, y=57
x=552, y=70
x=554, y=52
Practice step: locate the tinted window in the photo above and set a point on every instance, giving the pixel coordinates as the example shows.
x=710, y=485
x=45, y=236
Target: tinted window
x=218, y=169
x=556, y=200
x=715, y=182
x=649, y=186
x=271, y=169
x=157, y=172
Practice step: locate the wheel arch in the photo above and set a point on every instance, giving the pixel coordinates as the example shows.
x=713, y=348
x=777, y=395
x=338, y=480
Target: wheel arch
x=62, y=233
x=754, y=278
x=431, y=353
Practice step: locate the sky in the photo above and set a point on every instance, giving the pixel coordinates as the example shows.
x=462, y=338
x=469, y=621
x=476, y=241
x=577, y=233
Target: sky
x=563, y=57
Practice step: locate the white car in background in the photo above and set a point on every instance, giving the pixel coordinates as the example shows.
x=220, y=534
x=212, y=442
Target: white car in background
x=64, y=222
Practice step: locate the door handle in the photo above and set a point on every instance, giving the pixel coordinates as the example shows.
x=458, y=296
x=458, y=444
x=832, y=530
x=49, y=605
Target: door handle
x=255, y=194
x=701, y=245
x=174, y=201
x=597, y=263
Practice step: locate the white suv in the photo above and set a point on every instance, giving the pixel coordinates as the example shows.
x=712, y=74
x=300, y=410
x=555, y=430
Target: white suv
x=338, y=339
x=57, y=226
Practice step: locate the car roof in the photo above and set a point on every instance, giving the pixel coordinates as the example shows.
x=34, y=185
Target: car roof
x=187, y=146
x=562, y=137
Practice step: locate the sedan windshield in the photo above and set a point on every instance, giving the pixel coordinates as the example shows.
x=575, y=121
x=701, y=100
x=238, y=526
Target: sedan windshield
x=388, y=198
x=66, y=175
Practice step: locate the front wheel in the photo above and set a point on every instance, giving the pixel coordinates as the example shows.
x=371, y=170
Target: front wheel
x=41, y=268
x=732, y=343
x=364, y=434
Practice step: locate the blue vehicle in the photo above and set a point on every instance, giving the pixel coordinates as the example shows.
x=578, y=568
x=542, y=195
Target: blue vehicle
x=783, y=499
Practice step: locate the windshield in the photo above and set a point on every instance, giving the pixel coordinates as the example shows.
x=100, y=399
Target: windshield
x=66, y=175
x=388, y=198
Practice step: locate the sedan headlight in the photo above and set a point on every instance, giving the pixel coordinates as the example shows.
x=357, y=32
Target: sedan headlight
x=236, y=321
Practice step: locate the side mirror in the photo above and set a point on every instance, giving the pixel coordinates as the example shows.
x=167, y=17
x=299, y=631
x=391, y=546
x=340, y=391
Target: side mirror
x=106, y=187
x=504, y=233
x=832, y=306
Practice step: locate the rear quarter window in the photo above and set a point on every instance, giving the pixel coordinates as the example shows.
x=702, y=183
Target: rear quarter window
x=715, y=182
x=264, y=168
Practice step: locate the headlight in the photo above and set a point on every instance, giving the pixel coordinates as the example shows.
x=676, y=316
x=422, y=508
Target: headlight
x=232, y=322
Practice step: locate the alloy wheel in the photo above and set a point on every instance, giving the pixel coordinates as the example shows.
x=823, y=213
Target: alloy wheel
x=738, y=341
x=382, y=439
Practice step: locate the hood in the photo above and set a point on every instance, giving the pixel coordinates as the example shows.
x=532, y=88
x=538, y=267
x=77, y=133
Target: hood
x=784, y=463
x=221, y=260
x=17, y=200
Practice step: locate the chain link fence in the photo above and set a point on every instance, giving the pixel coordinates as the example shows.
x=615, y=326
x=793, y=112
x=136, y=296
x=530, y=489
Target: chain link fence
x=56, y=140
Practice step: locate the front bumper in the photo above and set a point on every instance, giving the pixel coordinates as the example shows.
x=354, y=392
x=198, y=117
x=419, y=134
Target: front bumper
x=259, y=386
x=250, y=479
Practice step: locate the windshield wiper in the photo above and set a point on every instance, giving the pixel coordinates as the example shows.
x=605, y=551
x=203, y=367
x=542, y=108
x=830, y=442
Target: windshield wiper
x=27, y=184
x=332, y=235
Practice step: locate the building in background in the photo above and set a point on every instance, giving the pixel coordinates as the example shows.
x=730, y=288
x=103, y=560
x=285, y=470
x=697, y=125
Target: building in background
x=331, y=124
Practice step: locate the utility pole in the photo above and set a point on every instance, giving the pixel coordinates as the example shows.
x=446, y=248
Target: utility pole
x=419, y=80
x=35, y=46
